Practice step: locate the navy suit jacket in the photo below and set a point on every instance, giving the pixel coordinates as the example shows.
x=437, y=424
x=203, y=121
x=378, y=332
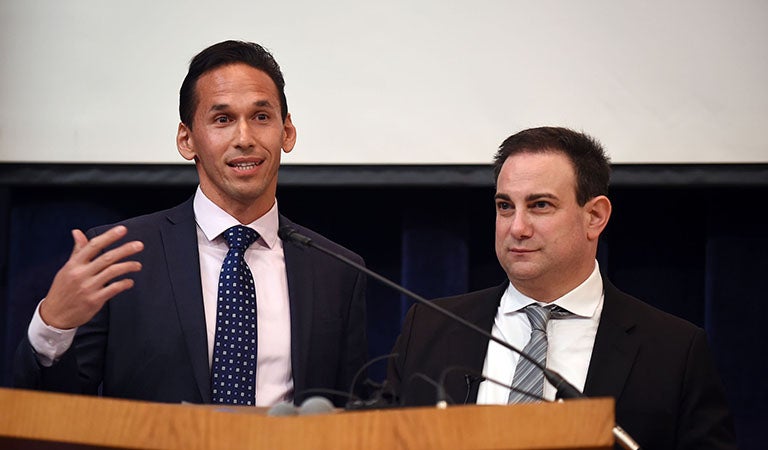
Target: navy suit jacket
x=150, y=343
x=656, y=366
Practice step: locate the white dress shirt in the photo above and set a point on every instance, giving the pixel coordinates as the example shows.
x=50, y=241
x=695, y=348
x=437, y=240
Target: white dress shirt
x=265, y=258
x=570, y=340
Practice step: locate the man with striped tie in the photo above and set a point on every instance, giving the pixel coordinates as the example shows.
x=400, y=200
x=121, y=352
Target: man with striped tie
x=551, y=207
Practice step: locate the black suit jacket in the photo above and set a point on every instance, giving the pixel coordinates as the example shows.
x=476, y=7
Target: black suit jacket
x=150, y=342
x=657, y=367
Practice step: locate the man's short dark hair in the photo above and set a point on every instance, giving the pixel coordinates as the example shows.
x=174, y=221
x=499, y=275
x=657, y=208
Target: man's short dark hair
x=224, y=54
x=590, y=163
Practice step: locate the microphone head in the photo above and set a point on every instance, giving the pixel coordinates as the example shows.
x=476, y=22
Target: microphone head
x=285, y=232
x=283, y=409
x=315, y=405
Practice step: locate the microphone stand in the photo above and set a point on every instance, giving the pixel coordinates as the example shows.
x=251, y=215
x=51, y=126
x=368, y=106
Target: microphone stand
x=565, y=390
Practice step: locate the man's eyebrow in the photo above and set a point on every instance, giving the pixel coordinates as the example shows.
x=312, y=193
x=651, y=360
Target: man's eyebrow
x=225, y=106
x=528, y=198
x=220, y=107
x=539, y=196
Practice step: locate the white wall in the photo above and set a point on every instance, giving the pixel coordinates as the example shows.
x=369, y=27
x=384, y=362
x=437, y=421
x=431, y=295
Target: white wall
x=426, y=81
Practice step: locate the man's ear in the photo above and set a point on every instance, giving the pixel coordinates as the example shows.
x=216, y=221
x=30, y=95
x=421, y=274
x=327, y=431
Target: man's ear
x=184, y=142
x=598, y=211
x=289, y=134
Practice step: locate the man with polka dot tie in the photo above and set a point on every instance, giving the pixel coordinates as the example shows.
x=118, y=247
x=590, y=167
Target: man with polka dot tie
x=135, y=311
x=233, y=373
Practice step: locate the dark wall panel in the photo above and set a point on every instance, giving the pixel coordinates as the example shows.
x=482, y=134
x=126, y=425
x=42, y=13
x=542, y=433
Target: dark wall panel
x=697, y=250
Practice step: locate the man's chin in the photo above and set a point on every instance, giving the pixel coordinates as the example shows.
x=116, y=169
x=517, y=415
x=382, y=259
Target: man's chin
x=523, y=271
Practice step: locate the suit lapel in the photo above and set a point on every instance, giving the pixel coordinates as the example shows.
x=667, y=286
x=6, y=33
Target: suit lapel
x=470, y=346
x=179, y=237
x=298, y=267
x=615, y=347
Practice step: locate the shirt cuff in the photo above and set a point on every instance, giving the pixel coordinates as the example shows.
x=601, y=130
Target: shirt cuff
x=48, y=342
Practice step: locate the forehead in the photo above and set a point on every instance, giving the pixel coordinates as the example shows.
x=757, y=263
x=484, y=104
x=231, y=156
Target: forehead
x=536, y=171
x=235, y=82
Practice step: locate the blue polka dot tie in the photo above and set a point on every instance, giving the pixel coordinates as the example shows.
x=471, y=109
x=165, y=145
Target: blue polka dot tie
x=233, y=372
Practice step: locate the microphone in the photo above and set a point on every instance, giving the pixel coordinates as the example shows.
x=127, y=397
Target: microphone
x=442, y=402
x=443, y=396
x=283, y=409
x=565, y=390
x=332, y=392
x=315, y=405
x=310, y=406
x=471, y=380
x=443, y=399
x=622, y=437
x=355, y=403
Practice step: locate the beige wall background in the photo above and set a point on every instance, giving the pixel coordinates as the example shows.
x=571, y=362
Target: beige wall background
x=396, y=82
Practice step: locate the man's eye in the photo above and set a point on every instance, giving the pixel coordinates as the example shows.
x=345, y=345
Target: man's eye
x=262, y=117
x=503, y=206
x=221, y=119
x=540, y=205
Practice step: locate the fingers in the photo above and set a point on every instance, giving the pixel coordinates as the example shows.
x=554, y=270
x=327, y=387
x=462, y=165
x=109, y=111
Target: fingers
x=91, y=254
x=104, y=267
x=103, y=279
x=87, y=280
x=110, y=258
x=112, y=289
x=86, y=250
x=94, y=299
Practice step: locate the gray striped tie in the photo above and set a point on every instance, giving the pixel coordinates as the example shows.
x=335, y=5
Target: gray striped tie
x=529, y=378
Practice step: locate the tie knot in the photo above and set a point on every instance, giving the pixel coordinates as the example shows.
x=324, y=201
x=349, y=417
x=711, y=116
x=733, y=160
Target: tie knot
x=539, y=315
x=240, y=237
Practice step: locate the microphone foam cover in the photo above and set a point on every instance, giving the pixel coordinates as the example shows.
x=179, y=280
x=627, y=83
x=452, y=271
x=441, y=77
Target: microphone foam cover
x=283, y=409
x=315, y=405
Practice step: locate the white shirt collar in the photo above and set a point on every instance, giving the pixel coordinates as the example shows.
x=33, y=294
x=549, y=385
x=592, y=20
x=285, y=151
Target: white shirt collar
x=582, y=301
x=213, y=220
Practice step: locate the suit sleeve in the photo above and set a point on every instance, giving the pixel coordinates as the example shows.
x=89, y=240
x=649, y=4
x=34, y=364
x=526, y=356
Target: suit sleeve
x=705, y=421
x=396, y=366
x=355, y=342
x=78, y=371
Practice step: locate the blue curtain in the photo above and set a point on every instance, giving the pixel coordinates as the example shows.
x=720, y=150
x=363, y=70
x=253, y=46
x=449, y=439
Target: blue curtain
x=699, y=253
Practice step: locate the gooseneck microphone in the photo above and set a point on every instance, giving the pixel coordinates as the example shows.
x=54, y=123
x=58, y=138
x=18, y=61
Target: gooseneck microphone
x=310, y=406
x=470, y=372
x=379, y=401
x=565, y=390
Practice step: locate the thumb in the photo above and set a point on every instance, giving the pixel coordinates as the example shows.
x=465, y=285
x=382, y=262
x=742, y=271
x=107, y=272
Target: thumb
x=80, y=240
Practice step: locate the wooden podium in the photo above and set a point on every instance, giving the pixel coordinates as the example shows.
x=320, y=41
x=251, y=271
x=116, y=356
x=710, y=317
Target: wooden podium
x=38, y=420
